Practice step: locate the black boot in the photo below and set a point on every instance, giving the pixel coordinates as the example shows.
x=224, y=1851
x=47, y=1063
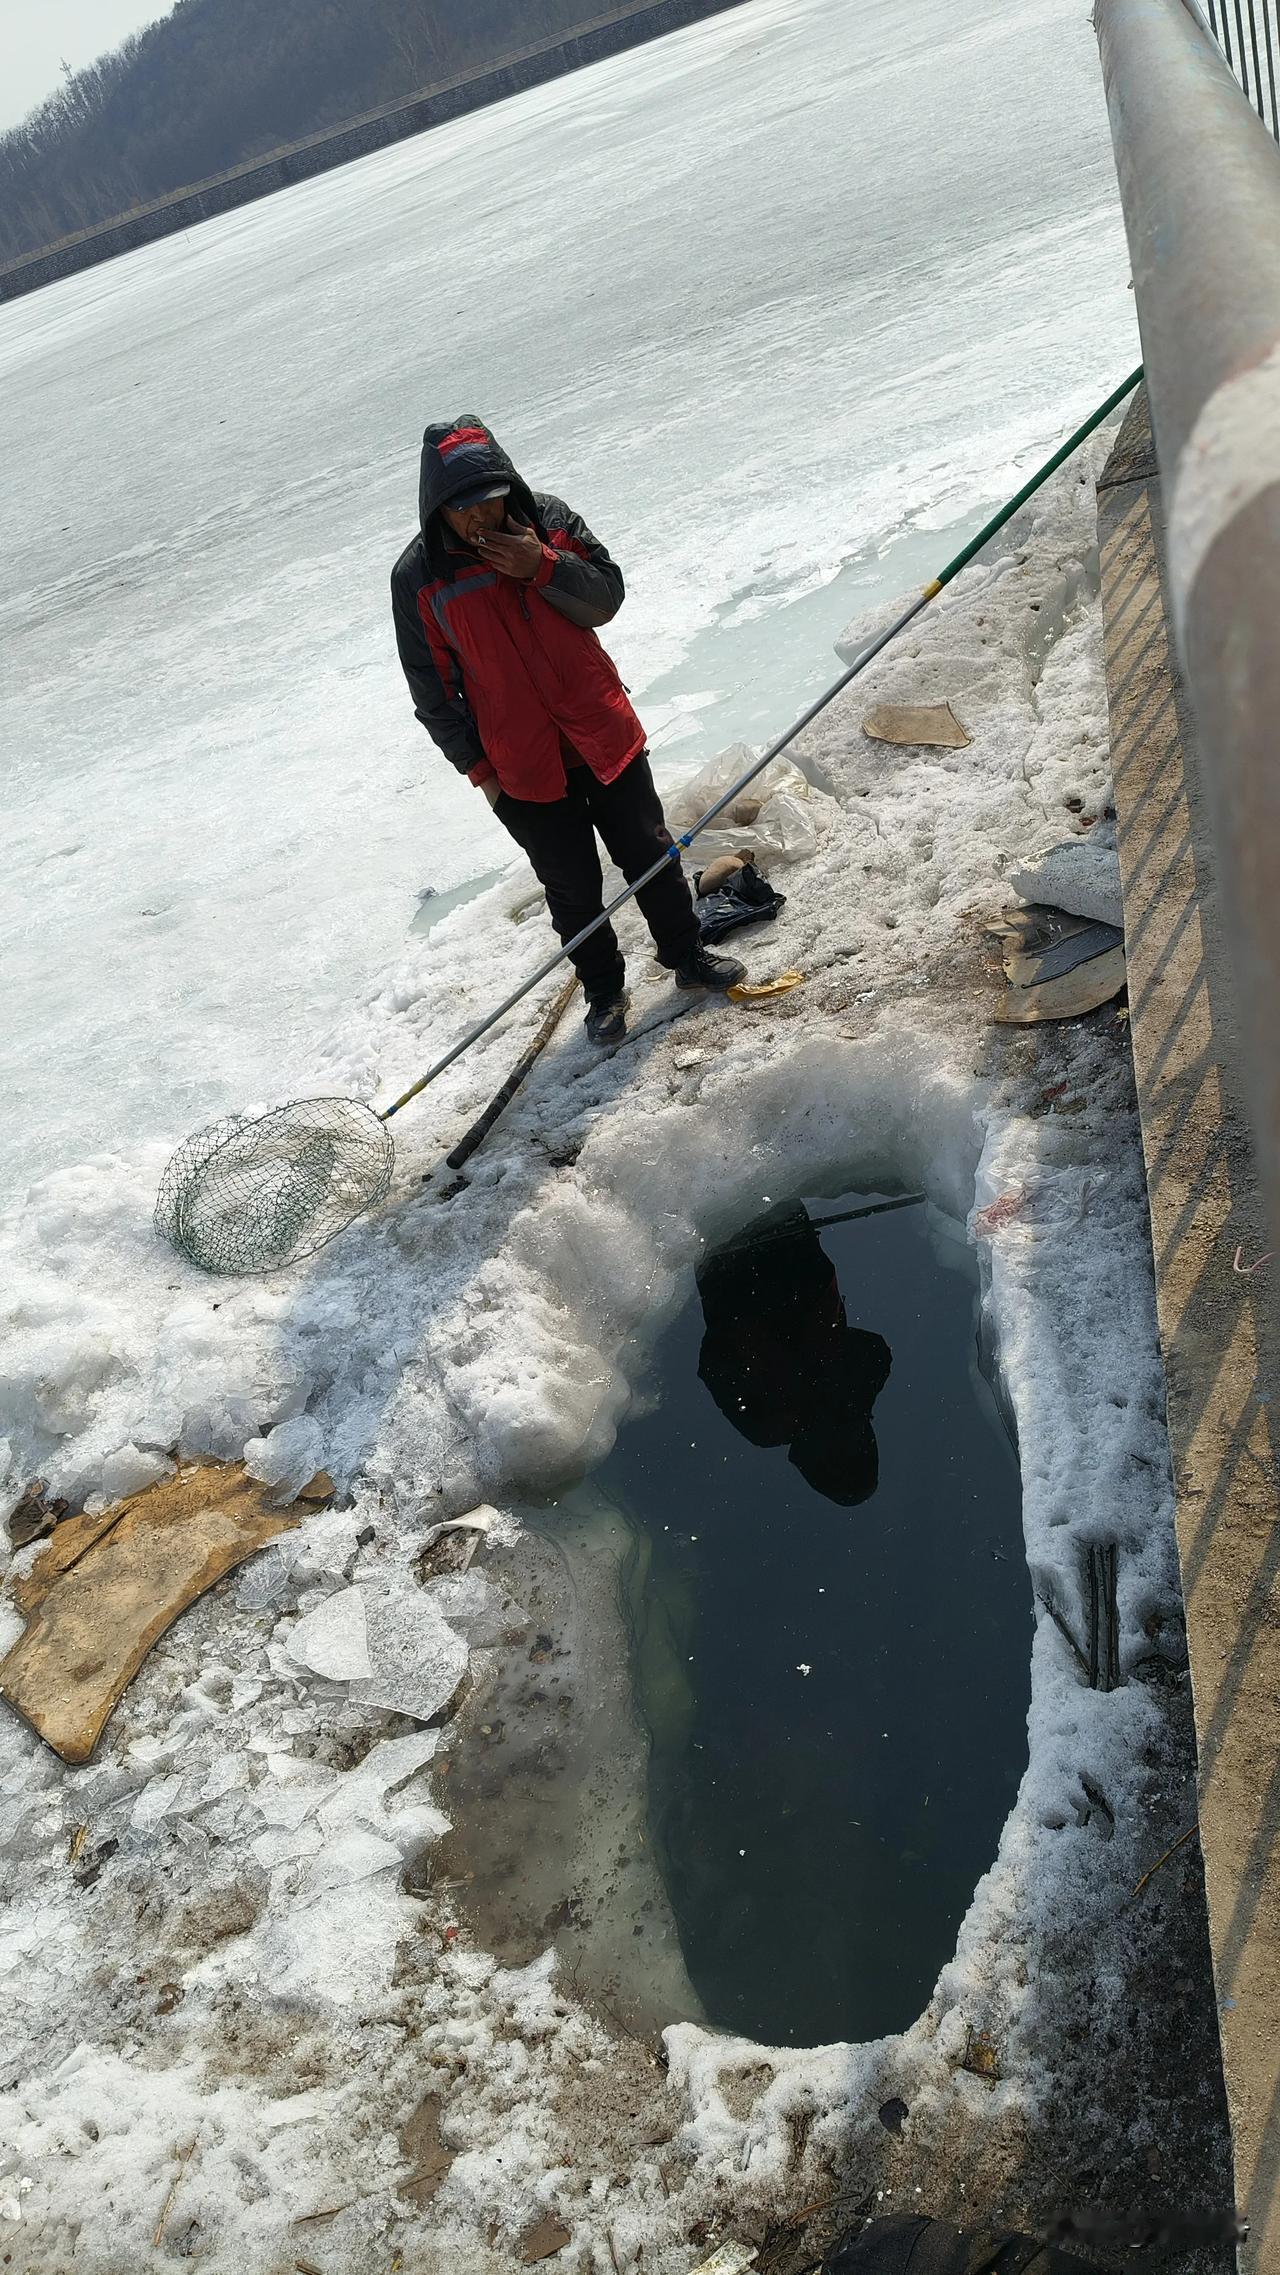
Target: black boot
x=702, y=969
x=606, y=1018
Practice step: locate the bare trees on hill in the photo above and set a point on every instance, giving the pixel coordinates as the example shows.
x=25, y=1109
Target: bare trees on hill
x=219, y=82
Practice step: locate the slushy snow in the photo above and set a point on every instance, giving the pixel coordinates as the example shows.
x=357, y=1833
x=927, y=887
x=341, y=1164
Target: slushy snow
x=219, y=2022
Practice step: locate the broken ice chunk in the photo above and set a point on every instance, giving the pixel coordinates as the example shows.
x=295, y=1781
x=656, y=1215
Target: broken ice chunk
x=396, y=1649
x=1081, y=876
x=11, y=1817
x=289, y=1804
x=130, y=1470
x=283, y=1844
x=360, y=1794
x=265, y=1579
x=416, y=1661
x=339, y=1947
x=478, y=1610
x=326, y=1547
x=352, y=1856
x=288, y=1457
x=224, y=1818
x=228, y=1774
x=154, y=1802
x=333, y=1640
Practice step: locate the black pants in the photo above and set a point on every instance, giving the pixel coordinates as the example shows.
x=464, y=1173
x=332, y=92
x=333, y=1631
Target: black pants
x=560, y=840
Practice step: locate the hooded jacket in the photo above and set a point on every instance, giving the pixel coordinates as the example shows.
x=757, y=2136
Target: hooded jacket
x=509, y=677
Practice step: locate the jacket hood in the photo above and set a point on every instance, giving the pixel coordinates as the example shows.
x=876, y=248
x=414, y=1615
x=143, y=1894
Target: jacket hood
x=458, y=456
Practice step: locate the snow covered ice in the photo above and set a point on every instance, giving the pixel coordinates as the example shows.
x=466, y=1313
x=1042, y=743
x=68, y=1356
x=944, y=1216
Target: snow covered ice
x=219, y=2020
x=471, y=1349
x=220, y=811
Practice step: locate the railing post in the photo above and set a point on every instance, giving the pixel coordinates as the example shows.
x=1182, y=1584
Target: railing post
x=1200, y=184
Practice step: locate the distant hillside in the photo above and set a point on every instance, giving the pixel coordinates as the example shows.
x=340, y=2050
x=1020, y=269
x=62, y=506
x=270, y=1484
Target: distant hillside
x=220, y=82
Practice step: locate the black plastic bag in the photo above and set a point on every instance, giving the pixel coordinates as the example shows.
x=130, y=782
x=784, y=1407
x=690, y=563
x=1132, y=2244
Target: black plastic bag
x=744, y=898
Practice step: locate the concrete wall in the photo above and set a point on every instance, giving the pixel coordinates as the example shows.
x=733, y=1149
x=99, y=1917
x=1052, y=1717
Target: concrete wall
x=1218, y=1325
x=606, y=34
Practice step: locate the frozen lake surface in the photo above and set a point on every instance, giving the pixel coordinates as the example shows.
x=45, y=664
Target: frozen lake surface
x=780, y=303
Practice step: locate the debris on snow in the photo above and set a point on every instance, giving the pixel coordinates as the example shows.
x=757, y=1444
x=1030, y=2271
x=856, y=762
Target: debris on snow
x=34, y=1516
x=918, y=725
x=108, y=1586
x=1058, y=966
x=776, y=818
x=1005, y=1209
x=730, y=2259
x=543, y=2240
x=1081, y=876
x=763, y=991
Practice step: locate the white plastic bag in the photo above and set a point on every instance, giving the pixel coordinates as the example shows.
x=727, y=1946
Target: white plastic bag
x=776, y=816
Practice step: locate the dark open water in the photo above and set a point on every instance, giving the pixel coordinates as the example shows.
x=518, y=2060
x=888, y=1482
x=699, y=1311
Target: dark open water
x=831, y=1615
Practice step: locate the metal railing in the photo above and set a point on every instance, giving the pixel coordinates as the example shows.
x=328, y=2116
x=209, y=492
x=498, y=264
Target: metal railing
x=1200, y=187
x=1248, y=32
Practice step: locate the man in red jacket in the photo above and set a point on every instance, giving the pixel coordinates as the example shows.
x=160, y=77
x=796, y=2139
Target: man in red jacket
x=496, y=603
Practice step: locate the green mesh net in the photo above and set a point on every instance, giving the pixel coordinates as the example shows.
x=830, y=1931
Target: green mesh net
x=249, y=1195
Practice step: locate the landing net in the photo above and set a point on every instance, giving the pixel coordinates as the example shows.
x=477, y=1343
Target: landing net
x=248, y=1195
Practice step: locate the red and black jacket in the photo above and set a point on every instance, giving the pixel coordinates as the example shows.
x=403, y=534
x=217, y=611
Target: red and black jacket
x=509, y=677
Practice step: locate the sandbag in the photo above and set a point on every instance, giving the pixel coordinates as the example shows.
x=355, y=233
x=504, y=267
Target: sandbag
x=1081, y=876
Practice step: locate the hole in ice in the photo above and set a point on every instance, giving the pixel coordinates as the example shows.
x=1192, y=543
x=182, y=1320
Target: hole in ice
x=830, y=1608
x=750, y=1746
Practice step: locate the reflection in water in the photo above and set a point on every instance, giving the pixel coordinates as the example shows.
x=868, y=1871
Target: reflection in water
x=781, y=1361
x=836, y=1703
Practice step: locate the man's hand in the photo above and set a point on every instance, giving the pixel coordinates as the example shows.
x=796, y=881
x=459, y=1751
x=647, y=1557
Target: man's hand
x=492, y=788
x=513, y=552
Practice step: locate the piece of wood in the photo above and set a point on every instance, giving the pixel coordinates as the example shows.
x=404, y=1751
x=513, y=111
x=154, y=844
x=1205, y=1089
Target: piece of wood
x=543, y=2240
x=1180, y=1842
x=70, y=1541
x=424, y=2151
x=1030, y=965
x=1085, y=989
x=107, y=1587
x=920, y=726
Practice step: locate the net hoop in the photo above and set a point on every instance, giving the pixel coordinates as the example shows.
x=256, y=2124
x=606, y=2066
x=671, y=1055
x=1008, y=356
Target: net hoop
x=252, y=1193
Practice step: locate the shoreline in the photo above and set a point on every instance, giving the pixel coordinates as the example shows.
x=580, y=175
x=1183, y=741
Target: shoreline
x=611, y=33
